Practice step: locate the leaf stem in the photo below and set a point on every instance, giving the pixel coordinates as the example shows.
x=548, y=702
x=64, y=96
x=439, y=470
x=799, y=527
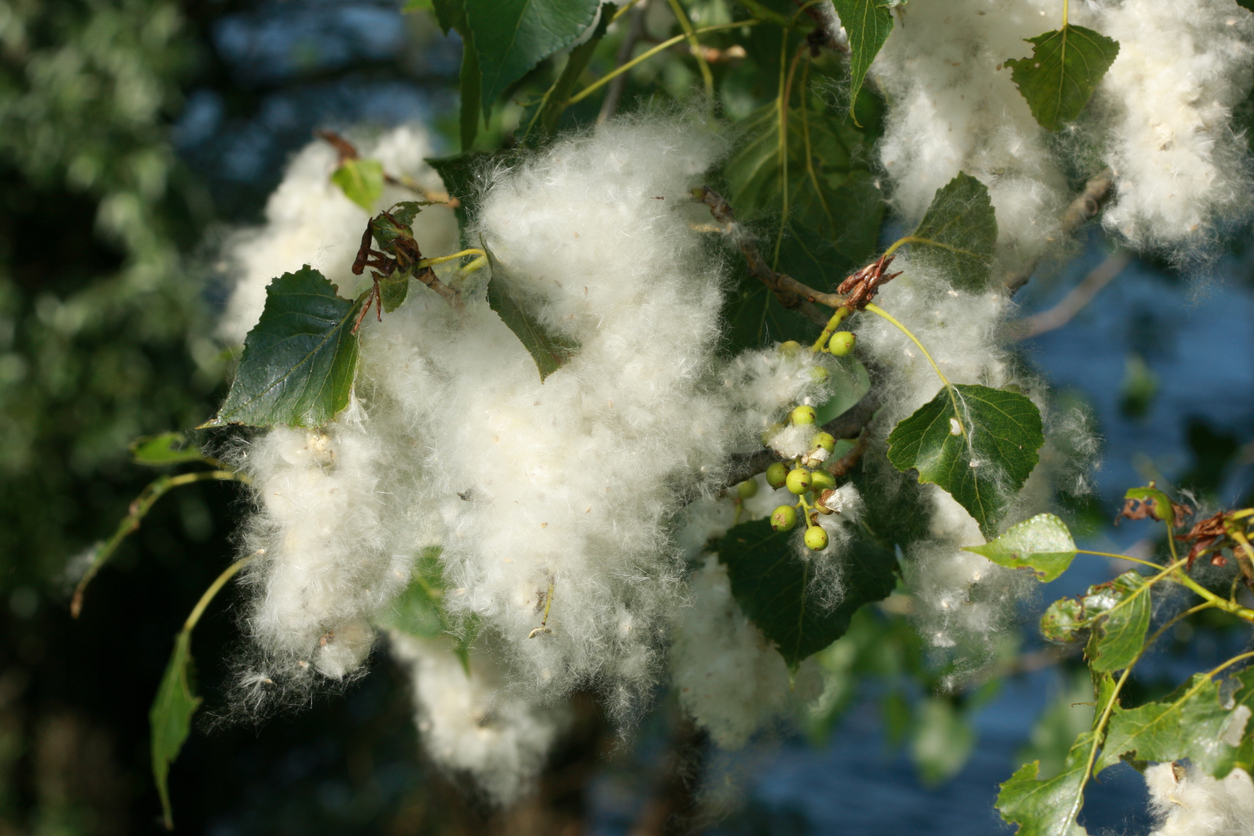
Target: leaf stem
x=1065, y=4
x=880, y=312
x=214, y=589
x=695, y=45
x=832, y=324
x=139, y=508
x=428, y=262
x=605, y=79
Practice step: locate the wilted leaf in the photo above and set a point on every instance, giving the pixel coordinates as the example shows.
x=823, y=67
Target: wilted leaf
x=1063, y=621
x=772, y=585
x=361, y=180
x=1048, y=807
x=1119, y=634
x=1190, y=723
x=980, y=452
x=1042, y=544
x=549, y=351
x=958, y=234
x=512, y=36
x=171, y=717
x=164, y=450
x=1065, y=68
x=299, y=360
x=868, y=24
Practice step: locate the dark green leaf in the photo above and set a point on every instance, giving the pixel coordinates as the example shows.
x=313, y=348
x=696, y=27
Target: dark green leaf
x=361, y=181
x=1190, y=723
x=980, y=450
x=512, y=36
x=868, y=24
x=418, y=6
x=1120, y=613
x=549, y=351
x=835, y=210
x=958, y=234
x=1042, y=544
x=451, y=15
x=1048, y=807
x=299, y=360
x=470, y=81
x=772, y=584
x=463, y=176
x=1065, y=68
x=164, y=450
x=171, y=718
x=392, y=291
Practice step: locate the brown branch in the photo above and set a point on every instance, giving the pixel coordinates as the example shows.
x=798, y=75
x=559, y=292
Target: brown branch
x=1081, y=210
x=791, y=293
x=1074, y=302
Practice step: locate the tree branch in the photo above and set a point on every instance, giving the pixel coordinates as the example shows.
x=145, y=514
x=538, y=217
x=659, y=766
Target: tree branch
x=1082, y=209
x=790, y=293
x=1071, y=304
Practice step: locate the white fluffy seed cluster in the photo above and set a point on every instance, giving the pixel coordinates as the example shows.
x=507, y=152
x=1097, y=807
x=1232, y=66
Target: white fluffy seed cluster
x=1188, y=802
x=554, y=504
x=1160, y=118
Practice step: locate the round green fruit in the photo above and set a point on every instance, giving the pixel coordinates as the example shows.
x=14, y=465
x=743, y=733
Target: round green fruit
x=841, y=343
x=798, y=480
x=825, y=440
x=818, y=374
x=777, y=475
x=821, y=480
x=803, y=415
x=816, y=538
x=784, y=518
x=790, y=349
x=747, y=489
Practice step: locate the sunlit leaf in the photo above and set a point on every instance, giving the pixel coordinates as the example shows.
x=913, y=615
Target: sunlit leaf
x=958, y=234
x=171, y=717
x=1064, y=69
x=164, y=450
x=1043, y=544
x=1119, y=634
x=980, y=450
x=299, y=360
x=773, y=586
x=361, y=180
x=868, y=24
x=1190, y=723
x=512, y=36
x=1048, y=807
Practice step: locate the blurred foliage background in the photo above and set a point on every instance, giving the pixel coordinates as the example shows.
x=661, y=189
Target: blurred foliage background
x=133, y=134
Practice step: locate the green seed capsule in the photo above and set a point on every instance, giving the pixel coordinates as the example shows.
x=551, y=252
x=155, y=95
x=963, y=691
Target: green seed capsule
x=803, y=415
x=798, y=480
x=821, y=480
x=784, y=518
x=816, y=538
x=747, y=489
x=790, y=349
x=825, y=440
x=841, y=343
x=818, y=374
x=777, y=475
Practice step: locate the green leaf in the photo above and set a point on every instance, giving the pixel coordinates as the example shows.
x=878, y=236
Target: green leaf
x=772, y=585
x=1120, y=613
x=1189, y=723
x=470, y=81
x=1064, y=70
x=418, y=6
x=942, y=742
x=299, y=360
x=451, y=15
x=549, y=351
x=868, y=24
x=835, y=211
x=1048, y=807
x=1043, y=544
x=980, y=450
x=464, y=180
x=171, y=718
x=958, y=234
x=512, y=36
x=419, y=610
x=1063, y=621
x=164, y=450
x=360, y=180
